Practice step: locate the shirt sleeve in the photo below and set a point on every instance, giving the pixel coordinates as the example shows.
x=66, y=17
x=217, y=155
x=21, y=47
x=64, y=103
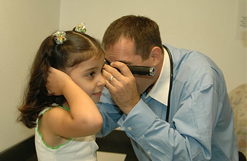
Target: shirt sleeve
x=187, y=138
x=150, y=132
x=109, y=112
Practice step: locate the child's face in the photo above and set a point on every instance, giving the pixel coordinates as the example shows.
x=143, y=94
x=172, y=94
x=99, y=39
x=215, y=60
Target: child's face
x=87, y=75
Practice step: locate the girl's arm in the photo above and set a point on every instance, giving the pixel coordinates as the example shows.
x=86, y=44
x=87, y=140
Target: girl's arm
x=82, y=120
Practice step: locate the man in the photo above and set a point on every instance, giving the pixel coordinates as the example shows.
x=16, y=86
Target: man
x=181, y=113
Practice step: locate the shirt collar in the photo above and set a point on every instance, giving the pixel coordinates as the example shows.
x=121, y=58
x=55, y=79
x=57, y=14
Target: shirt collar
x=160, y=90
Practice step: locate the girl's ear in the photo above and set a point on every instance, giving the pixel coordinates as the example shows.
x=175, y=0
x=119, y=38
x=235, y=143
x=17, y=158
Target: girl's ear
x=156, y=55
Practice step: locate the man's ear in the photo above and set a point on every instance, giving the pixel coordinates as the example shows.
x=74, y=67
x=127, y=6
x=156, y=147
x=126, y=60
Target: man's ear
x=156, y=55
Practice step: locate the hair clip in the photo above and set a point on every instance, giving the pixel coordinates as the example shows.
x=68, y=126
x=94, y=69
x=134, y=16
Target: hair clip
x=81, y=28
x=59, y=37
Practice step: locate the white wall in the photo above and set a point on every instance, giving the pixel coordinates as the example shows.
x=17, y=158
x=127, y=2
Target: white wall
x=23, y=25
x=208, y=26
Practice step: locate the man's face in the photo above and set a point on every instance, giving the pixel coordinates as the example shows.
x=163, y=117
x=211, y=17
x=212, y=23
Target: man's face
x=124, y=51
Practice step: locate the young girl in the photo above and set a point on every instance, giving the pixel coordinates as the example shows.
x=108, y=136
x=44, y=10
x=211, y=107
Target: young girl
x=64, y=115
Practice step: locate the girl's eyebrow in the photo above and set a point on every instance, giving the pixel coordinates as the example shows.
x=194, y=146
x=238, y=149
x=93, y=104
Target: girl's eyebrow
x=91, y=69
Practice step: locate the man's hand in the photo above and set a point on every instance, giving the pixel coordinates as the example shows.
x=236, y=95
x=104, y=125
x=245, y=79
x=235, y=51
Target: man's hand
x=122, y=86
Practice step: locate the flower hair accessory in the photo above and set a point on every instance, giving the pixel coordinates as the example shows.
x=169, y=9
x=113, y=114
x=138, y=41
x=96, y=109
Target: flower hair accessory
x=59, y=37
x=81, y=28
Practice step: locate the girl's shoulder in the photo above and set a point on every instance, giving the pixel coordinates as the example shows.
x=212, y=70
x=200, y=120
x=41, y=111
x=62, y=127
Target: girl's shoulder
x=53, y=106
x=44, y=130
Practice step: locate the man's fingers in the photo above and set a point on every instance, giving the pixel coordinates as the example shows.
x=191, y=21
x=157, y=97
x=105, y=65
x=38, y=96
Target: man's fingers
x=123, y=68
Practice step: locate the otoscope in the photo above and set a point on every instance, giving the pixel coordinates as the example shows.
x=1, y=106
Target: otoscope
x=139, y=70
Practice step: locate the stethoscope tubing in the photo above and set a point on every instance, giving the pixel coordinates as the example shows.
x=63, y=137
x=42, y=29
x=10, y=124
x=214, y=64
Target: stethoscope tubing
x=171, y=81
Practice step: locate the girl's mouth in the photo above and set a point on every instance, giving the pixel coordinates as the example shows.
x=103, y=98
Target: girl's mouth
x=98, y=94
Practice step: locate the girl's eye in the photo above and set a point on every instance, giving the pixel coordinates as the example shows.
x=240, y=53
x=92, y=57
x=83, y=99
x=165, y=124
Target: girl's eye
x=90, y=74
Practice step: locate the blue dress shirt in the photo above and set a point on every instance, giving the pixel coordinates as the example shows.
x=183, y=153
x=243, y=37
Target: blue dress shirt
x=200, y=125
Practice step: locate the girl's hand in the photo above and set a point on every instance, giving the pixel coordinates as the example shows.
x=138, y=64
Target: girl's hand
x=56, y=81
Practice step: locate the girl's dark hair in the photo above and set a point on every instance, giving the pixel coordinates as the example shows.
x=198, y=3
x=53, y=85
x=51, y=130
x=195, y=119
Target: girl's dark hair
x=77, y=48
x=142, y=30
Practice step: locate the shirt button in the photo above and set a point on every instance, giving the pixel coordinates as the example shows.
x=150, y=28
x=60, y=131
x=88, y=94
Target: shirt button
x=129, y=128
x=149, y=153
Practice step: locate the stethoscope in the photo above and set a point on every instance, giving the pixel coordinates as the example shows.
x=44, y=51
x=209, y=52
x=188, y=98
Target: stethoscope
x=171, y=80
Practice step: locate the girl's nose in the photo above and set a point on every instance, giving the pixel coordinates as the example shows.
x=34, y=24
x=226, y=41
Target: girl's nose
x=101, y=81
